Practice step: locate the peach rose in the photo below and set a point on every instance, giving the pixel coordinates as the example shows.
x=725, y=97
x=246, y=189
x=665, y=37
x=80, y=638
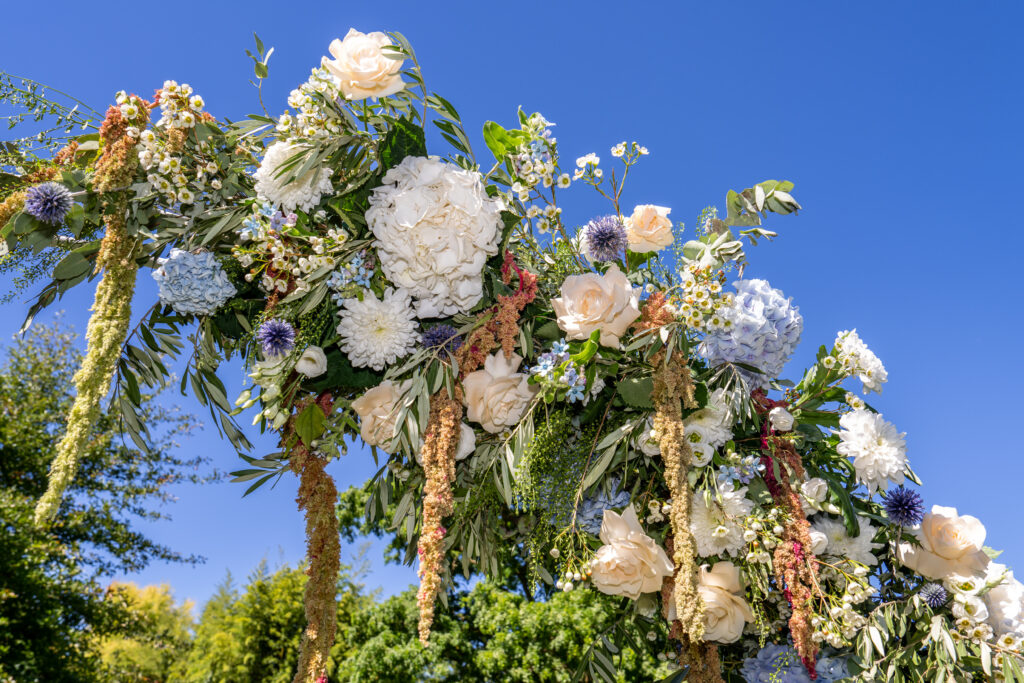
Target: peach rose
x=597, y=302
x=497, y=396
x=362, y=67
x=378, y=412
x=950, y=544
x=630, y=562
x=725, y=610
x=649, y=228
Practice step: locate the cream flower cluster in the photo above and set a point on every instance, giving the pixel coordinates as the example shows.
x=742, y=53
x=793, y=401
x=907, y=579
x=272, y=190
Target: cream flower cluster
x=716, y=520
x=857, y=359
x=879, y=452
x=435, y=227
x=275, y=182
x=179, y=108
x=377, y=332
x=701, y=302
x=313, y=117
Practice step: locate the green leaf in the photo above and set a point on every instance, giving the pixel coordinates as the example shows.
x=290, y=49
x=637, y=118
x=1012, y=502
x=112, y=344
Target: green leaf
x=636, y=392
x=71, y=266
x=310, y=423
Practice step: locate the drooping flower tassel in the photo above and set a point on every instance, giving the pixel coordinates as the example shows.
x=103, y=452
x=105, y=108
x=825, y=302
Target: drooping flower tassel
x=440, y=444
x=111, y=310
x=317, y=498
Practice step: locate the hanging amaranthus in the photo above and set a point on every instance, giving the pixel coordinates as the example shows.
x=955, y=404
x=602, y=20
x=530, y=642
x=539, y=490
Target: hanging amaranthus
x=111, y=310
x=795, y=569
x=700, y=657
x=673, y=389
x=317, y=498
x=440, y=444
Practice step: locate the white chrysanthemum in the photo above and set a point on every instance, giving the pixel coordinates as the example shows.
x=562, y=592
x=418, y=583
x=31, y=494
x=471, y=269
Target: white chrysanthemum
x=714, y=420
x=434, y=226
x=717, y=526
x=859, y=360
x=879, y=452
x=377, y=332
x=301, y=193
x=842, y=545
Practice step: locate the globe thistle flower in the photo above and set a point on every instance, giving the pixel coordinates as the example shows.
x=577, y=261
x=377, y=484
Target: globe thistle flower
x=904, y=507
x=934, y=595
x=49, y=202
x=276, y=337
x=442, y=336
x=604, y=239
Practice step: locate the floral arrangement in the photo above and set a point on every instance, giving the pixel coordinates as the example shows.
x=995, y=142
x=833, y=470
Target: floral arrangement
x=603, y=401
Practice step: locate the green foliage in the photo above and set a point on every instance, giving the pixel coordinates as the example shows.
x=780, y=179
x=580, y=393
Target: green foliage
x=157, y=634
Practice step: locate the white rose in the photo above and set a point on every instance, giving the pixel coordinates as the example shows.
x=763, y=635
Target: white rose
x=950, y=544
x=780, y=419
x=378, y=412
x=819, y=541
x=1006, y=606
x=497, y=396
x=630, y=562
x=597, y=302
x=467, y=444
x=725, y=609
x=649, y=228
x=362, y=67
x=312, y=362
x=814, y=489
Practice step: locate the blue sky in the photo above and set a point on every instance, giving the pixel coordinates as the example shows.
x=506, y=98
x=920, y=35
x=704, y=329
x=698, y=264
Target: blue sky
x=898, y=122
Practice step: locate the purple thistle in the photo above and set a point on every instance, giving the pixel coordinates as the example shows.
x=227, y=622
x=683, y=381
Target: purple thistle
x=442, y=335
x=605, y=239
x=49, y=202
x=276, y=337
x=934, y=595
x=904, y=507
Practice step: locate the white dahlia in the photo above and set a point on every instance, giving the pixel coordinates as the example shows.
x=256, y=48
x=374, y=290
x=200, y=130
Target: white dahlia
x=840, y=544
x=879, y=452
x=377, y=332
x=434, y=226
x=272, y=180
x=858, y=359
x=716, y=525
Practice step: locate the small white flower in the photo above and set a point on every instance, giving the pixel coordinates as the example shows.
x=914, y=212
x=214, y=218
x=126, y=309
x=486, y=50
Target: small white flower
x=312, y=362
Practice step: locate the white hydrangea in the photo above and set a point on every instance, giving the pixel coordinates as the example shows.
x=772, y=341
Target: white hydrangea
x=716, y=525
x=435, y=227
x=879, y=452
x=301, y=193
x=858, y=359
x=842, y=545
x=377, y=332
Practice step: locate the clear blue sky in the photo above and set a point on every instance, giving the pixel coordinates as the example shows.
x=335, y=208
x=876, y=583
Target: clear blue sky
x=898, y=122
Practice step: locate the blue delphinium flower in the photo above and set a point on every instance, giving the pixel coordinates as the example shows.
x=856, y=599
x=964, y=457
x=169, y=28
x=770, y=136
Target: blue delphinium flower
x=442, y=335
x=545, y=365
x=934, y=595
x=561, y=348
x=576, y=383
x=763, y=331
x=590, y=513
x=276, y=337
x=49, y=202
x=904, y=506
x=192, y=282
x=604, y=239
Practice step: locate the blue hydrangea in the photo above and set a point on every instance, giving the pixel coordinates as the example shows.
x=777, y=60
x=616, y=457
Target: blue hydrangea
x=781, y=664
x=604, y=239
x=192, y=282
x=763, y=331
x=590, y=513
x=49, y=202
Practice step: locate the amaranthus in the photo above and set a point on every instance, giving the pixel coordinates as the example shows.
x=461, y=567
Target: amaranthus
x=111, y=310
x=440, y=444
x=317, y=497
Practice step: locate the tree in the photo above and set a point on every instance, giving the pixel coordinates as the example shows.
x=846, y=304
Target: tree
x=52, y=604
x=154, y=647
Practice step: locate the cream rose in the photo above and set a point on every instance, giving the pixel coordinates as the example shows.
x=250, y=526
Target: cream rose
x=467, y=444
x=630, y=562
x=497, y=396
x=725, y=610
x=378, y=412
x=649, y=228
x=362, y=67
x=950, y=544
x=312, y=362
x=597, y=302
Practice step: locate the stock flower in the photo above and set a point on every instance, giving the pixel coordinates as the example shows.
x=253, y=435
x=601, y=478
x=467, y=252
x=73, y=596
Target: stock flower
x=859, y=360
x=497, y=396
x=840, y=544
x=378, y=412
x=604, y=239
x=434, y=227
x=716, y=522
x=725, y=609
x=275, y=184
x=312, y=362
x=276, y=337
x=192, y=282
x=950, y=543
x=362, y=66
x=591, y=302
x=49, y=202
x=879, y=452
x=377, y=332
x=649, y=228
x=629, y=563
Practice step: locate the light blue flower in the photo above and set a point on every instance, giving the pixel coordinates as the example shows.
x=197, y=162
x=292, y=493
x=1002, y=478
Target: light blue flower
x=192, y=283
x=781, y=664
x=590, y=513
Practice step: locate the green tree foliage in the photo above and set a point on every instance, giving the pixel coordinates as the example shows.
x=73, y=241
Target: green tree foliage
x=52, y=605
x=156, y=639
